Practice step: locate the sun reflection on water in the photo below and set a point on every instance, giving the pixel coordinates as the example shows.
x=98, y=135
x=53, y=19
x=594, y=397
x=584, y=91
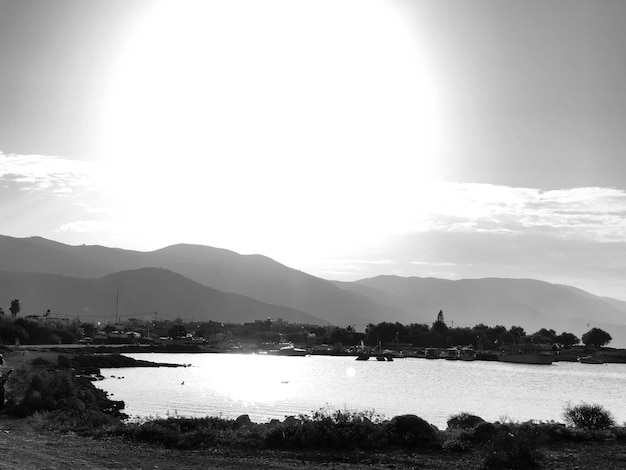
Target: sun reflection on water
x=253, y=379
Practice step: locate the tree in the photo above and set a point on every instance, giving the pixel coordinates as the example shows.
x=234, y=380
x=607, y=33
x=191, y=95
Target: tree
x=567, y=340
x=596, y=337
x=177, y=331
x=343, y=336
x=15, y=307
x=518, y=333
x=544, y=336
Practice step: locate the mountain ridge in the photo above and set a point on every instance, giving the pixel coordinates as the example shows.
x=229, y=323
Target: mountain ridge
x=529, y=303
x=139, y=291
x=255, y=276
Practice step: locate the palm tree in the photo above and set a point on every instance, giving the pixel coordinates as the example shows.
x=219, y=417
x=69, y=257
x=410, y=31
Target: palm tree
x=15, y=308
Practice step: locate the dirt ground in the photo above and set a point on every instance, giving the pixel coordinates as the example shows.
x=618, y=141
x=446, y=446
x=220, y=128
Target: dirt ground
x=22, y=447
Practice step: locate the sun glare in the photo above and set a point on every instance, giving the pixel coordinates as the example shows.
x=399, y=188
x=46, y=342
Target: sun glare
x=239, y=114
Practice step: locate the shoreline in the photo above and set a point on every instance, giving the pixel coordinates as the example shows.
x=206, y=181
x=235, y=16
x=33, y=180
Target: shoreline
x=606, y=355
x=26, y=445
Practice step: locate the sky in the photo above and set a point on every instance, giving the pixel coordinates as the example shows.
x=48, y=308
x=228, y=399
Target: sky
x=343, y=138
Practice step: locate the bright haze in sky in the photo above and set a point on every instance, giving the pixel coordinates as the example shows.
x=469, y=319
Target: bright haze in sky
x=344, y=138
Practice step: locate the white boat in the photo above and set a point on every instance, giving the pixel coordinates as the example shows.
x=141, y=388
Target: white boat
x=287, y=348
x=590, y=360
x=290, y=350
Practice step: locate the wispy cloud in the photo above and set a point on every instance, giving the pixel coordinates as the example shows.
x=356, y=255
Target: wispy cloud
x=85, y=226
x=61, y=176
x=570, y=236
x=44, y=195
x=589, y=213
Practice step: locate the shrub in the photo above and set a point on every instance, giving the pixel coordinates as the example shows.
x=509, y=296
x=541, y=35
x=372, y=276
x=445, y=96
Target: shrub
x=32, y=392
x=457, y=439
x=484, y=432
x=191, y=433
x=330, y=430
x=590, y=416
x=464, y=421
x=412, y=431
x=512, y=449
x=88, y=422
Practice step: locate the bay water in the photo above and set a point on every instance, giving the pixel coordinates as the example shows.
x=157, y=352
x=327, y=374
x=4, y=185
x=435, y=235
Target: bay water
x=266, y=387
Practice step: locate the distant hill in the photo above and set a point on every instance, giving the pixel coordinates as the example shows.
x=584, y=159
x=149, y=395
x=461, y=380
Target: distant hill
x=141, y=292
x=529, y=303
x=254, y=276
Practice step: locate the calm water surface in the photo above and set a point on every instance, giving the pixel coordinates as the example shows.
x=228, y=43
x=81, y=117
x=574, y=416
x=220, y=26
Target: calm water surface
x=266, y=387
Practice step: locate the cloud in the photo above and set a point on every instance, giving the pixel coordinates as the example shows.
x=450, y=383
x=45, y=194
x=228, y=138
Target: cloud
x=579, y=213
x=572, y=237
x=85, y=226
x=46, y=195
x=449, y=230
x=61, y=176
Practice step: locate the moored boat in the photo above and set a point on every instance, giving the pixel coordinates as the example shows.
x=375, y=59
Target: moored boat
x=452, y=354
x=590, y=360
x=467, y=354
x=527, y=354
x=291, y=350
x=287, y=348
x=432, y=353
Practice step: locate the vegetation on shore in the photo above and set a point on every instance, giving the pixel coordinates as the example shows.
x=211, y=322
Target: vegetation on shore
x=44, y=329
x=60, y=400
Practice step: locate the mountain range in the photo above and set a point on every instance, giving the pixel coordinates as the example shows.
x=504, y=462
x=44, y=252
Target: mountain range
x=205, y=283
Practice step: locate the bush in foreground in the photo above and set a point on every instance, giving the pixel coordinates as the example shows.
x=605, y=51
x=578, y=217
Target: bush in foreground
x=412, y=431
x=464, y=421
x=190, y=433
x=32, y=392
x=339, y=429
x=501, y=445
x=588, y=416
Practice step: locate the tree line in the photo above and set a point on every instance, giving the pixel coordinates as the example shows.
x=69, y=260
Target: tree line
x=480, y=336
x=438, y=334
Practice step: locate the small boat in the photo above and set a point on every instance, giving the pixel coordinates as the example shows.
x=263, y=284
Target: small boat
x=363, y=357
x=590, y=360
x=452, y=354
x=467, y=354
x=432, y=353
x=290, y=350
x=287, y=348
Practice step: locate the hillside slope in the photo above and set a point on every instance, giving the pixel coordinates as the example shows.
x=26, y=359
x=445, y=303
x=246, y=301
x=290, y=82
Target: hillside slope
x=254, y=276
x=528, y=303
x=141, y=292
